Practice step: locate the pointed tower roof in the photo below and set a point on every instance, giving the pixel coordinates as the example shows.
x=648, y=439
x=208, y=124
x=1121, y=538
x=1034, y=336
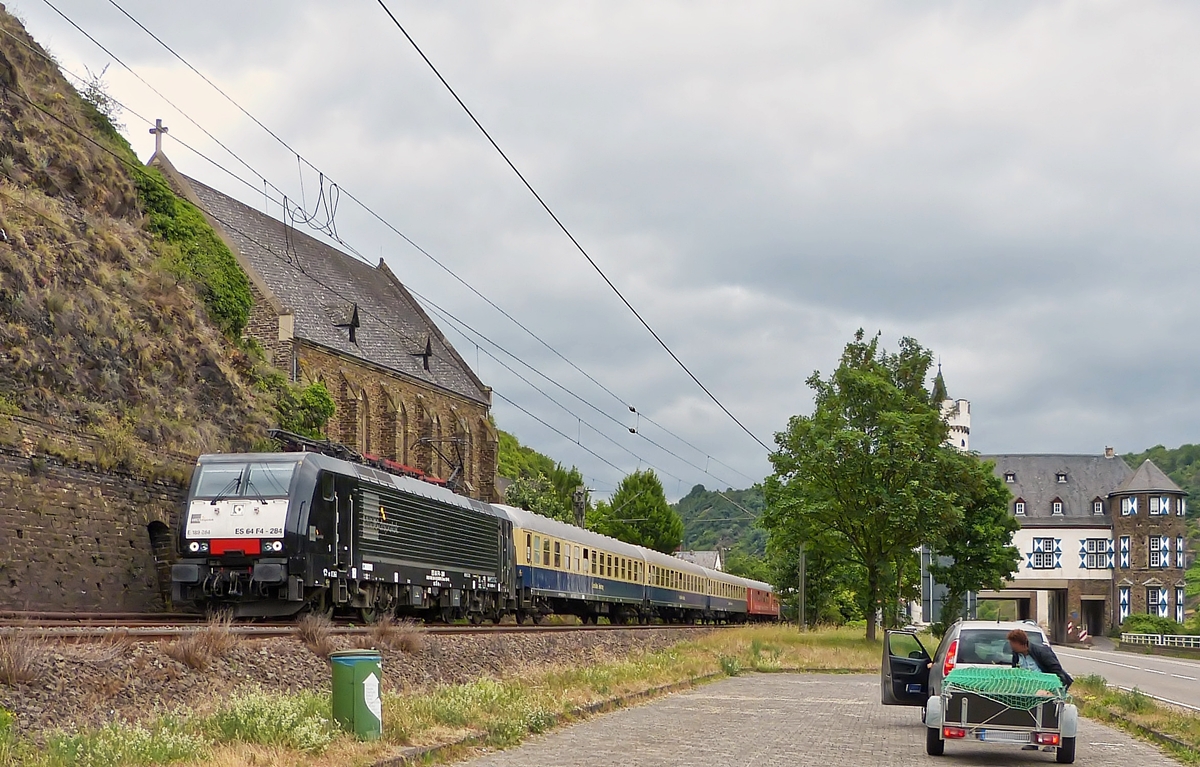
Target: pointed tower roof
x=1148, y=479
x=939, y=387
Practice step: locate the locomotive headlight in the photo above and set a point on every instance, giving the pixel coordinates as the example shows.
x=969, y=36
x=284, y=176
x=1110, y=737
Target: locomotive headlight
x=204, y=547
x=272, y=545
x=194, y=547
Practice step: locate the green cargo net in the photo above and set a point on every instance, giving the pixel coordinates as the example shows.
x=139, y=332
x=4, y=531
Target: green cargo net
x=1013, y=687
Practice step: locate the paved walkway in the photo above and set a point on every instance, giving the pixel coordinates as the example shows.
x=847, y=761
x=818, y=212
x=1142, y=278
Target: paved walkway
x=789, y=720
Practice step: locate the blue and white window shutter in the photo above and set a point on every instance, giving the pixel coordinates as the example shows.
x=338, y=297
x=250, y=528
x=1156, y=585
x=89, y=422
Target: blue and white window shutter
x=1083, y=552
x=1180, y=556
x=1179, y=601
x=1181, y=507
x=1164, y=504
x=1123, y=602
x=1111, y=554
x=1165, y=547
x=1164, y=606
x=1124, y=551
x=1129, y=506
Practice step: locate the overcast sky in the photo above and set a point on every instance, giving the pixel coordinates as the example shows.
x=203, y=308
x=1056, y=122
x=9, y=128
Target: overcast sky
x=1013, y=184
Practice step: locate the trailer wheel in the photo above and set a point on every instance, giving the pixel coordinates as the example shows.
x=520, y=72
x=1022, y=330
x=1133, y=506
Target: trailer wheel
x=935, y=746
x=1066, y=751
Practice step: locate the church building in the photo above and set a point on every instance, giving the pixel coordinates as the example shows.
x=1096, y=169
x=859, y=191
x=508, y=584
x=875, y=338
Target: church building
x=401, y=390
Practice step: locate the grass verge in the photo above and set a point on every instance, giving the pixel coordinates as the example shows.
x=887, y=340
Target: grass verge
x=1175, y=730
x=261, y=728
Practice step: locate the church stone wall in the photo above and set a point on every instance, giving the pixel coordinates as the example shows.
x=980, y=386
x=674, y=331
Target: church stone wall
x=389, y=415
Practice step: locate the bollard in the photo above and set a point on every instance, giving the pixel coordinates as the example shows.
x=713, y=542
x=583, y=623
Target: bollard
x=357, y=707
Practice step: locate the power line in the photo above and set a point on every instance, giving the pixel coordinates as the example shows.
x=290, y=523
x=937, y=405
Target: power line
x=459, y=324
x=396, y=231
x=267, y=249
x=566, y=231
x=329, y=229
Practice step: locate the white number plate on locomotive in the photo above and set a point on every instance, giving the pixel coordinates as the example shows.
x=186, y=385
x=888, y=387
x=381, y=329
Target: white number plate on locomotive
x=240, y=518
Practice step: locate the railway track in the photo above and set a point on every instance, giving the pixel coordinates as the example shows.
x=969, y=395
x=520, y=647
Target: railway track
x=151, y=627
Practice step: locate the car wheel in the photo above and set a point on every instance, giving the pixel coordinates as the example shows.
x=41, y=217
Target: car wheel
x=1066, y=751
x=935, y=746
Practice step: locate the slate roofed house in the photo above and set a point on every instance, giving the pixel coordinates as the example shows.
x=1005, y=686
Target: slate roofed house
x=709, y=559
x=402, y=391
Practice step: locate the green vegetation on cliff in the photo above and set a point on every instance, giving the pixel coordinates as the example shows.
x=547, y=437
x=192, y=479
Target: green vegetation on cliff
x=120, y=308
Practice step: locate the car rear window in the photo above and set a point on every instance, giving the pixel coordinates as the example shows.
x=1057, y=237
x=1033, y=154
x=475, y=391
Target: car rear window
x=988, y=646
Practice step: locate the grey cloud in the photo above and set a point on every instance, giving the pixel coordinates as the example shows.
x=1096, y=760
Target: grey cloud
x=1012, y=184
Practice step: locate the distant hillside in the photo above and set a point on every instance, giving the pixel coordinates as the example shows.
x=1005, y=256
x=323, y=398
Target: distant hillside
x=1181, y=464
x=712, y=519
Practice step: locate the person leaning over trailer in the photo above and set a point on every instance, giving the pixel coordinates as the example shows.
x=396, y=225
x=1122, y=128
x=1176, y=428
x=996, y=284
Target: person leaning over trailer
x=1036, y=657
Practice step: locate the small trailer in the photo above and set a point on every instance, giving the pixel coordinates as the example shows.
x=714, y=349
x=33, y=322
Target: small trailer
x=1007, y=706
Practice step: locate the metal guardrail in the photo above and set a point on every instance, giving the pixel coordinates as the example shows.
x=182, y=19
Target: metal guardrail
x=1163, y=640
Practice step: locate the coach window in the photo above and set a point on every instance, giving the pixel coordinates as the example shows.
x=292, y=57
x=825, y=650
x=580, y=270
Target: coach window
x=595, y=557
x=528, y=548
x=557, y=554
x=610, y=565
x=546, y=552
x=576, y=559
x=537, y=549
x=622, y=568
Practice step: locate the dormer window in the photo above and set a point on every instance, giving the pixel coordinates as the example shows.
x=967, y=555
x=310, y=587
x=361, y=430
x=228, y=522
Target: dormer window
x=1061, y=477
x=1097, y=506
x=1056, y=507
x=1010, y=477
x=1019, y=508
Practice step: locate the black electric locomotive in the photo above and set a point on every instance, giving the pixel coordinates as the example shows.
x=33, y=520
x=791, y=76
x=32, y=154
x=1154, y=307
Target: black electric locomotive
x=274, y=533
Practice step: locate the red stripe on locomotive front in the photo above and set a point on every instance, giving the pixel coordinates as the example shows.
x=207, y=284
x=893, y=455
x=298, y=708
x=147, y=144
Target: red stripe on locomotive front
x=220, y=546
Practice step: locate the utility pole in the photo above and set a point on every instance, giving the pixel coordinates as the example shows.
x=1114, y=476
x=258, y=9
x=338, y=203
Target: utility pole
x=579, y=502
x=803, y=600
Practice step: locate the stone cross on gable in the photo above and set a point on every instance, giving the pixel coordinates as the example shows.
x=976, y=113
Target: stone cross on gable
x=158, y=130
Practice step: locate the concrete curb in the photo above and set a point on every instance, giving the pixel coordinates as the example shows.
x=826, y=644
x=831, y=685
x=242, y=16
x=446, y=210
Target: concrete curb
x=426, y=754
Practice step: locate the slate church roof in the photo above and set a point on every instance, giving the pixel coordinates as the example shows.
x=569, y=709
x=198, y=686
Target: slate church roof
x=1075, y=480
x=334, y=295
x=1148, y=479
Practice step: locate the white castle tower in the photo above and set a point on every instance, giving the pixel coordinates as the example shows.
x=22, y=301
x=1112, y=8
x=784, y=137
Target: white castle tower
x=956, y=413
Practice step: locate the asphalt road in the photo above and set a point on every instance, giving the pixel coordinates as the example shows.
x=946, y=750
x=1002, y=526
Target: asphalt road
x=1171, y=679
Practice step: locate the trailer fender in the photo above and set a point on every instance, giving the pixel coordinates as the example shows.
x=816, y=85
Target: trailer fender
x=933, y=712
x=1068, y=722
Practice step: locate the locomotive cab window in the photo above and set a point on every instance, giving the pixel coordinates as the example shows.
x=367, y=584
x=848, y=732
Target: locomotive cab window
x=327, y=487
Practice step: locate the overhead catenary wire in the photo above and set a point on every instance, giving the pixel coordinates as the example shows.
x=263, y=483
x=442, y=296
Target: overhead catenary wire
x=233, y=228
x=567, y=231
x=436, y=261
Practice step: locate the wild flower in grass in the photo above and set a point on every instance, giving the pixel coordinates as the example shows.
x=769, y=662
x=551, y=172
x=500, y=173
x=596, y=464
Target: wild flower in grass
x=730, y=666
x=167, y=741
x=301, y=721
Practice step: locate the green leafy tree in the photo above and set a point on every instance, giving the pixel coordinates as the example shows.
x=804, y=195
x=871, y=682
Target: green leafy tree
x=639, y=514
x=536, y=472
x=978, y=549
x=860, y=476
x=537, y=494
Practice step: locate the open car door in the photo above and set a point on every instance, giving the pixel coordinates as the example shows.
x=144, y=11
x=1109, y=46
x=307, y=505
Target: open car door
x=904, y=673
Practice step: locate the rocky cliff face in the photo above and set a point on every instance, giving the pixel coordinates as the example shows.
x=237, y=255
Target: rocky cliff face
x=119, y=355
x=103, y=327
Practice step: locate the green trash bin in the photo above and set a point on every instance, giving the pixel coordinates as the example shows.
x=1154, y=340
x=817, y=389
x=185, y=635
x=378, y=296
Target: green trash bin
x=356, y=703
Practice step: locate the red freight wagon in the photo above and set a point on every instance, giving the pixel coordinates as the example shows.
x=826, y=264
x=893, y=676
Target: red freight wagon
x=762, y=605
